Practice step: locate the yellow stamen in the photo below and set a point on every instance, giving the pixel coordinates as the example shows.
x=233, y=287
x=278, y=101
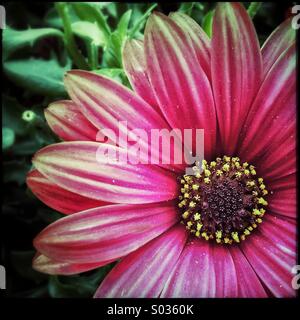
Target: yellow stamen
x=238, y=174
x=256, y=212
x=197, y=216
x=219, y=172
x=213, y=164
x=192, y=204
x=189, y=224
x=218, y=234
x=237, y=165
x=185, y=214
x=245, y=164
x=250, y=183
x=235, y=236
x=207, y=173
x=199, y=226
x=226, y=167
x=206, y=180
x=262, y=201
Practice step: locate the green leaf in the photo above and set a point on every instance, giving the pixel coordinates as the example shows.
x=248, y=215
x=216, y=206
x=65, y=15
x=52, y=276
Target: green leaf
x=91, y=12
x=45, y=214
x=63, y=10
x=15, y=171
x=22, y=263
x=77, y=286
x=8, y=138
x=116, y=74
x=14, y=40
x=110, y=72
x=52, y=18
x=111, y=8
x=140, y=23
x=89, y=31
x=12, y=115
x=37, y=75
x=27, y=146
x=207, y=22
x=123, y=24
x=253, y=8
x=113, y=52
x=187, y=7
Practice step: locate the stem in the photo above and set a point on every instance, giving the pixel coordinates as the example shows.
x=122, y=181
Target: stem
x=253, y=8
x=70, y=43
x=93, y=55
x=138, y=25
x=190, y=9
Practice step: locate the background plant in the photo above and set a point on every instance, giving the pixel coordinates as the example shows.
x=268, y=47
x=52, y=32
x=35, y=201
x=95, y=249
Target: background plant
x=42, y=41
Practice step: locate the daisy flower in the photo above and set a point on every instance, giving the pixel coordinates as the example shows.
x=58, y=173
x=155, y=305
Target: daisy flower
x=229, y=230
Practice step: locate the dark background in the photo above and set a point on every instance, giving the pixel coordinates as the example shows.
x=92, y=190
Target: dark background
x=23, y=216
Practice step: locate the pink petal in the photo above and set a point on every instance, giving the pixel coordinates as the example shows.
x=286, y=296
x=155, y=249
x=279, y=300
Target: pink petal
x=283, y=202
x=200, y=40
x=283, y=183
x=194, y=274
x=106, y=103
x=204, y=270
x=271, y=250
x=280, y=39
x=249, y=285
x=226, y=278
x=58, y=198
x=280, y=162
x=80, y=168
x=144, y=272
x=180, y=84
x=47, y=265
x=65, y=119
x=282, y=195
x=135, y=68
x=273, y=108
x=236, y=69
x=105, y=233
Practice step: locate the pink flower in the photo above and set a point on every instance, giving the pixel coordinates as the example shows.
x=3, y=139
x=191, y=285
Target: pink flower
x=244, y=98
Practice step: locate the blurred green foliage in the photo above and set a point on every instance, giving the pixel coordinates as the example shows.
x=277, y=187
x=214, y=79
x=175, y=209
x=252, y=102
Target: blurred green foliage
x=43, y=41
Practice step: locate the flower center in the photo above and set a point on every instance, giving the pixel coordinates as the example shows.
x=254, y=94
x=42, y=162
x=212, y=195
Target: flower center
x=222, y=200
